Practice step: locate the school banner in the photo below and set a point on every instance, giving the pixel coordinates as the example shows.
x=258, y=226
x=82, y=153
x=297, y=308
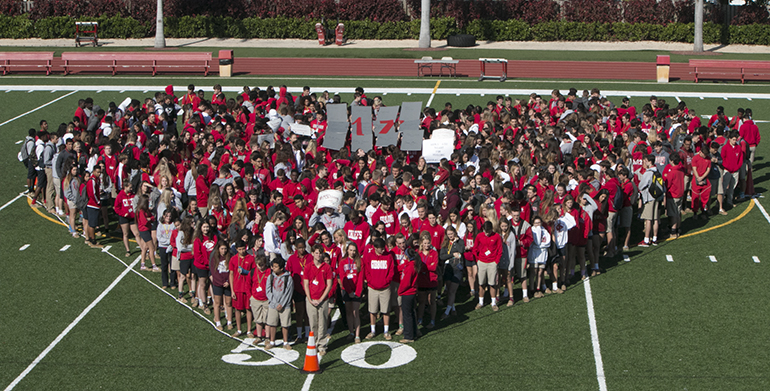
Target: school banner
x=409, y=120
x=385, y=126
x=337, y=126
x=361, y=128
x=440, y=145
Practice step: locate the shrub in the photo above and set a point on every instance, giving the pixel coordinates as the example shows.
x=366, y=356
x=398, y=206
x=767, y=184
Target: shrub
x=532, y=11
x=16, y=27
x=546, y=31
x=604, y=11
x=635, y=32
x=649, y=11
x=752, y=34
x=751, y=14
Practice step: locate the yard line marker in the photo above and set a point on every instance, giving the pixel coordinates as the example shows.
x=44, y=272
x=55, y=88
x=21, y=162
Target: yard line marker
x=311, y=376
x=19, y=142
x=409, y=94
x=701, y=98
x=39, y=107
x=384, y=93
x=595, y=337
x=626, y=258
x=145, y=91
x=7, y=91
x=725, y=98
x=457, y=94
x=69, y=328
x=677, y=99
x=748, y=99
x=11, y=201
x=669, y=258
x=481, y=94
x=433, y=94
x=65, y=248
x=756, y=259
x=99, y=91
x=712, y=258
x=761, y=209
x=30, y=91
x=106, y=249
x=26, y=246
x=122, y=91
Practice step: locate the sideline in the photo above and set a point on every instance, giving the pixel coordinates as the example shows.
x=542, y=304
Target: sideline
x=40, y=107
x=762, y=209
x=740, y=216
x=595, y=336
x=400, y=90
x=69, y=328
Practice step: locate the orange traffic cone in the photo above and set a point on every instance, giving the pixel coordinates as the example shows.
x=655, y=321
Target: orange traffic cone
x=311, y=358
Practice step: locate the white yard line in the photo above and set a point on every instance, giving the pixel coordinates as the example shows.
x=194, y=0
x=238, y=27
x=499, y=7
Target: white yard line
x=595, y=337
x=713, y=259
x=11, y=201
x=39, y=107
x=69, y=328
x=311, y=376
x=669, y=258
x=756, y=202
x=756, y=259
x=65, y=248
x=24, y=247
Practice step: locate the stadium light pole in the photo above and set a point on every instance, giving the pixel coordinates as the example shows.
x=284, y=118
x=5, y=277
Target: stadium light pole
x=698, y=38
x=160, y=38
x=424, y=41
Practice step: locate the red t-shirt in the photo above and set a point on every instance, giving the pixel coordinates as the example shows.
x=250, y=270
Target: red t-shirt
x=241, y=268
x=296, y=266
x=702, y=165
x=317, y=278
x=428, y=277
x=349, y=276
x=674, y=177
x=259, y=283
x=436, y=234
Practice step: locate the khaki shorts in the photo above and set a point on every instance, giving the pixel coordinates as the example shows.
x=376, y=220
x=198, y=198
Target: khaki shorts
x=728, y=181
x=395, y=299
x=259, y=309
x=520, y=268
x=379, y=300
x=612, y=217
x=674, y=207
x=174, y=263
x=283, y=316
x=71, y=205
x=487, y=273
x=626, y=215
x=651, y=210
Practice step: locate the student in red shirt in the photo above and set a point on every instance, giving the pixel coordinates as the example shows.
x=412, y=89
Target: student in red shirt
x=732, y=160
x=350, y=281
x=379, y=267
x=673, y=174
x=124, y=208
x=296, y=265
x=203, y=244
x=241, y=265
x=407, y=289
x=317, y=283
x=144, y=221
x=258, y=300
x=701, y=186
x=488, y=248
x=93, y=190
x=427, y=281
x=357, y=229
x=435, y=229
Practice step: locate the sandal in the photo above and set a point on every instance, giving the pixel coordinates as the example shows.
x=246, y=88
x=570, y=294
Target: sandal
x=155, y=269
x=128, y=254
x=143, y=268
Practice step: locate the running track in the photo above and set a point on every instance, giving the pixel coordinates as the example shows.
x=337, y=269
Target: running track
x=466, y=69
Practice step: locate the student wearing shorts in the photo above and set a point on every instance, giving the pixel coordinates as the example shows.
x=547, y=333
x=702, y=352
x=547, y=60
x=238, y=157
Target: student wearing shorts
x=93, y=189
x=317, y=283
x=144, y=221
x=351, y=286
x=469, y=257
x=240, y=266
x=488, y=248
x=651, y=208
x=538, y=251
x=258, y=300
x=184, y=246
x=279, y=290
x=220, y=283
x=379, y=267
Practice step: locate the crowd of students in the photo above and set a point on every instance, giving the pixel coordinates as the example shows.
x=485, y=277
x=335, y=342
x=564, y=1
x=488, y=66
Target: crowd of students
x=537, y=191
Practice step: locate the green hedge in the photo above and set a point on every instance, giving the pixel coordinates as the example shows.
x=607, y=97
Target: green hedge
x=18, y=27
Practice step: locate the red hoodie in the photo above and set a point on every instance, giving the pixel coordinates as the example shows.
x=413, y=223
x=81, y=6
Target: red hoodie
x=357, y=233
x=202, y=248
x=750, y=132
x=732, y=158
x=378, y=269
x=674, y=177
x=408, y=284
x=488, y=249
x=123, y=205
x=428, y=277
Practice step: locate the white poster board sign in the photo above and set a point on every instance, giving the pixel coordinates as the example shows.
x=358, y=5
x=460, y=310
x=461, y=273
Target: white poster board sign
x=440, y=146
x=329, y=199
x=302, y=130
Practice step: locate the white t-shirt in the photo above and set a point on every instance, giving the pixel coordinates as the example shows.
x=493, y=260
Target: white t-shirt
x=562, y=225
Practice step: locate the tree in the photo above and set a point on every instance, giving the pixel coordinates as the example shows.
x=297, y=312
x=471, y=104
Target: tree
x=424, y=41
x=160, y=38
x=698, y=39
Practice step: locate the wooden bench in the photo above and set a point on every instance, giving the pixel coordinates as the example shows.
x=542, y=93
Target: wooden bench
x=729, y=69
x=26, y=60
x=447, y=63
x=122, y=60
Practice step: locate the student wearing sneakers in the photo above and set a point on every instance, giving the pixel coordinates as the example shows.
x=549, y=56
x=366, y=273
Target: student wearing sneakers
x=651, y=204
x=427, y=282
x=538, y=252
x=279, y=289
x=732, y=160
x=488, y=247
x=701, y=187
x=407, y=289
x=317, y=283
x=240, y=266
x=93, y=189
x=674, y=176
x=379, y=267
x=349, y=274
x=451, y=255
x=220, y=283
x=258, y=300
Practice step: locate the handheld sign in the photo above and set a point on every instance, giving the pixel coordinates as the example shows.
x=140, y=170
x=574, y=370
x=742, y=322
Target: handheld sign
x=269, y=137
x=302, y=130
x=361, y=128
x=337, y=126
x=385, y=126
x=440, y=145
x=329, y=199
x=411, y=133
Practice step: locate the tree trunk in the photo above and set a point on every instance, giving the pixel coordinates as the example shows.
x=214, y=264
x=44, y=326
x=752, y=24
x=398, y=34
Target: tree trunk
x=160, y=38
x=425, y=25
x=698, y=39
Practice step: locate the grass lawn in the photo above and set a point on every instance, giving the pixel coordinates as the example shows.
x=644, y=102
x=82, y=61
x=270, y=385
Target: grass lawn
x=690, y=324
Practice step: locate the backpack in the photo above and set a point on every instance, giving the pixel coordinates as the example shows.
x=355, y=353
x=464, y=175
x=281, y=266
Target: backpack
x=617, y=202
x=41, y=158
x=81, y=202
x=24, y=153
x=129, y=151
x=657, y=188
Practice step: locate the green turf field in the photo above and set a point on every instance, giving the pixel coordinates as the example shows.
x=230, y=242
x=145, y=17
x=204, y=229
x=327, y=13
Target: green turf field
x=688, y=324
